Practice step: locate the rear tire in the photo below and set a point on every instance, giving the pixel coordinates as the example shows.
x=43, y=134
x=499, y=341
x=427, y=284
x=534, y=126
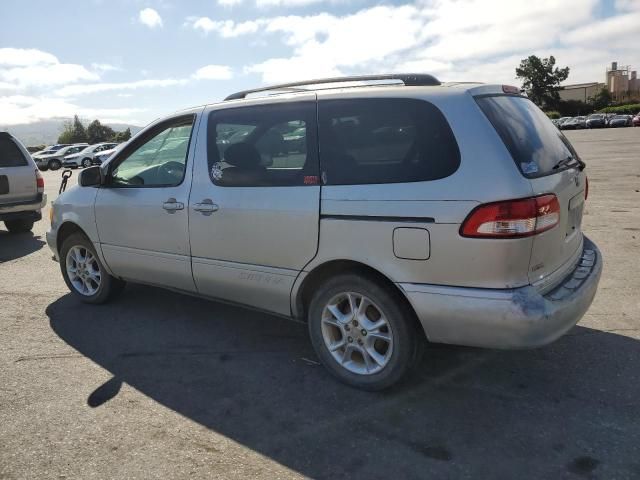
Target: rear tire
x=86, y=162
x=363, y=332
x=19, y=226
x=84, y=273
x=55, y=165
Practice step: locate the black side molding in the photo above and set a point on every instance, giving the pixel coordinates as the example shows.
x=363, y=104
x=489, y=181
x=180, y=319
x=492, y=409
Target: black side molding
x=379, y=218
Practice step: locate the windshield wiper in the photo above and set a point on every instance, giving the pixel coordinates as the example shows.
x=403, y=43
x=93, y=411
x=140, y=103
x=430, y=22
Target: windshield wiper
x=567, y=160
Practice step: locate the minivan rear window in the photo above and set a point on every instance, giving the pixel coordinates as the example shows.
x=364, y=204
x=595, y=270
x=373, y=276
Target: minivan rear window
x=384, y=140
x=535, y=143
x=10, y=154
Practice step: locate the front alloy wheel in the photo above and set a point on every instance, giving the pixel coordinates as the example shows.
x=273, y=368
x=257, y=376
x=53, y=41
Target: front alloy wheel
x=83, y=270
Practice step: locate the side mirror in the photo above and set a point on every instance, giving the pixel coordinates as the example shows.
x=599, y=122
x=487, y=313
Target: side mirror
x=90, y=177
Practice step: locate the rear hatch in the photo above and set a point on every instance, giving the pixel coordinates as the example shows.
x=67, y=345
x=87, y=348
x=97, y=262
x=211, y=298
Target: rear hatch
x=17, y=175
x=544, y=156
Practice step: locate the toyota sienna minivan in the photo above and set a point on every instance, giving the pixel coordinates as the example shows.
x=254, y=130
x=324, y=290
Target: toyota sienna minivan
x=385, y=215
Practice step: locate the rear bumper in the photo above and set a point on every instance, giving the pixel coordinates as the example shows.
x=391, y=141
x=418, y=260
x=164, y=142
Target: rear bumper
x=23, y=210
x=510, y=318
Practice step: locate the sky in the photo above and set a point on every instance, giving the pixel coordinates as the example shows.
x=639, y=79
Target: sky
x=133, y=61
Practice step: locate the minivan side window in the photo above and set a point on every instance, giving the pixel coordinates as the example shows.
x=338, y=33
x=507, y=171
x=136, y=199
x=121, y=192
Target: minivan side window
x=263, y=145
x=157, y=159
x=384, y=140
x=10, y=154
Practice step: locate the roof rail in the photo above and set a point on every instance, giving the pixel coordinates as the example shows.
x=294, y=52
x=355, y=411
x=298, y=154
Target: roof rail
x=409, y=79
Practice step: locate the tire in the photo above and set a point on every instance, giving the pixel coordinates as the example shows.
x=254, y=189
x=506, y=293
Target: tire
x=78, y=253
x=19, y=226
x=394, y=356
x=55, y=164
x=86, y=162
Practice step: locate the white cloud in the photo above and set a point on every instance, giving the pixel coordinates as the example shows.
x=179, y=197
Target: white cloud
x=150, y=17
x=19, y=109
x=286, y=3
x=104, y=67
x=73, y=90
x=22, y=68
x=23, y=57
x=226, y=28
x=213, y=72
x=229, y=3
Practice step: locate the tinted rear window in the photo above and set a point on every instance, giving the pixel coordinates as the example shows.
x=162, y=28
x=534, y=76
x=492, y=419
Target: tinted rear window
x=535, y=143
x=384, y=140
x=10, y=154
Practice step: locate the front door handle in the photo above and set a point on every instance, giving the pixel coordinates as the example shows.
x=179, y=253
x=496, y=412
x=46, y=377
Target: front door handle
x=206, y=207
x=172, y=205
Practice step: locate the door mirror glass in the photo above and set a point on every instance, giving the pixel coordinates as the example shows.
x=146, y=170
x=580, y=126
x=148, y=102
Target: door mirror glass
x=90, y=177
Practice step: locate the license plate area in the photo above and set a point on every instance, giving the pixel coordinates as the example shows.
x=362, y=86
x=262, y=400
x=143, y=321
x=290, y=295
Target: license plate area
x=4, y=185
x=574, y=222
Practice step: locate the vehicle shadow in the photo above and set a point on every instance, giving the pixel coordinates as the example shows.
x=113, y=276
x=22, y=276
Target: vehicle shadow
x=568, y=409
x=17, y=245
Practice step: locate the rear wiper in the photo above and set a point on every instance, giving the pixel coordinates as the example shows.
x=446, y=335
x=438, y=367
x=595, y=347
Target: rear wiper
x=567, y=160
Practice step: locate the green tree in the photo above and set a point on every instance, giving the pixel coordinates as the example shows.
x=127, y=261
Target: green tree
x=73, y=132
x=541, y=79
x=96, y=132
x=601, y=99
x=123, y=136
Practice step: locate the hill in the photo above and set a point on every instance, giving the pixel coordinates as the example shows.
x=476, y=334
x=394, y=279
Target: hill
x=45, y=132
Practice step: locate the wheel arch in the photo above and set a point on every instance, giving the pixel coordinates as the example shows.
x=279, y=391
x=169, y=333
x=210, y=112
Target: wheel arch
x=69, y=227
x=303, y=294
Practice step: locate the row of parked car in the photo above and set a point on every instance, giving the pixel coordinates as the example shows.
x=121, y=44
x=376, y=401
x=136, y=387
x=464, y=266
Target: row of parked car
x=597, y=120
x=73, y=155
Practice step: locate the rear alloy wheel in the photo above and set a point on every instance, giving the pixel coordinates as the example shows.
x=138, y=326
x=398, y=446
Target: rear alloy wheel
x=363, y=332
x=19, y=226
x=86, y=162
x=55, y=165
x=83, y=272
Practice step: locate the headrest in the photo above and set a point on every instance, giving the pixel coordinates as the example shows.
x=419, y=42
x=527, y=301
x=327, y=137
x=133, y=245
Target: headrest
x=242, y=155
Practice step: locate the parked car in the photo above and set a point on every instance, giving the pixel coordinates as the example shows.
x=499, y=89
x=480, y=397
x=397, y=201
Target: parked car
x=575, y=123
x=21, y=186
x=621, y=121
x=636, y=120
x=103, y=156
x=85, y=157
x=53, y=161
x=49, y=150
x=596, y=120
x=379, y=233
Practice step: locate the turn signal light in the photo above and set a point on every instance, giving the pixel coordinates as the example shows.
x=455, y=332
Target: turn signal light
x=512, y=218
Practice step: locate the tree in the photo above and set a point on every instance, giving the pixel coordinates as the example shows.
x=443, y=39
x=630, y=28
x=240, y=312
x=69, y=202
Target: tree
x=601, y=99
x=123, y=136
x=541, y=80
x=73, y=132
x=96, y=132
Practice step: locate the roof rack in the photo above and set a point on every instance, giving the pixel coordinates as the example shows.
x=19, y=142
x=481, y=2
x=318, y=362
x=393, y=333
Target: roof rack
x=409, y=79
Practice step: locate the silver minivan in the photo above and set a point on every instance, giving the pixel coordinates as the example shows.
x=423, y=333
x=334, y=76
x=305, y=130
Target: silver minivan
x=22, y=194
x=385, y=215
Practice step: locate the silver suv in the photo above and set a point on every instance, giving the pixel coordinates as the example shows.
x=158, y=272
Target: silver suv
x=21, y=186
x=382, y=215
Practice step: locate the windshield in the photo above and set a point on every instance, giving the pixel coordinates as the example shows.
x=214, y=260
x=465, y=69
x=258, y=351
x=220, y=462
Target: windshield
x=535, y=144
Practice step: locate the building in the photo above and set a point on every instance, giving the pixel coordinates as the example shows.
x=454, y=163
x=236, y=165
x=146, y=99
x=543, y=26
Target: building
x=580, y=91
x=622, y=83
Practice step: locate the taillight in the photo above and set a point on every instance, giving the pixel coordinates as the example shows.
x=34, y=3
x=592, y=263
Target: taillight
x=510, y=89
x=586, y=187
x=39, y=182
x=512, y=218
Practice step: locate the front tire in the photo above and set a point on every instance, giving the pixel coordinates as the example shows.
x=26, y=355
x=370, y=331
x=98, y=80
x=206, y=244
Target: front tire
x=19, y=226
x=55, y=165
x=83, y=272
x=86, y=162
x=363, y=332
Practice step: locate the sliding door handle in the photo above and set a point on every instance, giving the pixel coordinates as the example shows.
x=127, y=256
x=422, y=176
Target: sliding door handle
x=172, y=205
x=206, y=207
